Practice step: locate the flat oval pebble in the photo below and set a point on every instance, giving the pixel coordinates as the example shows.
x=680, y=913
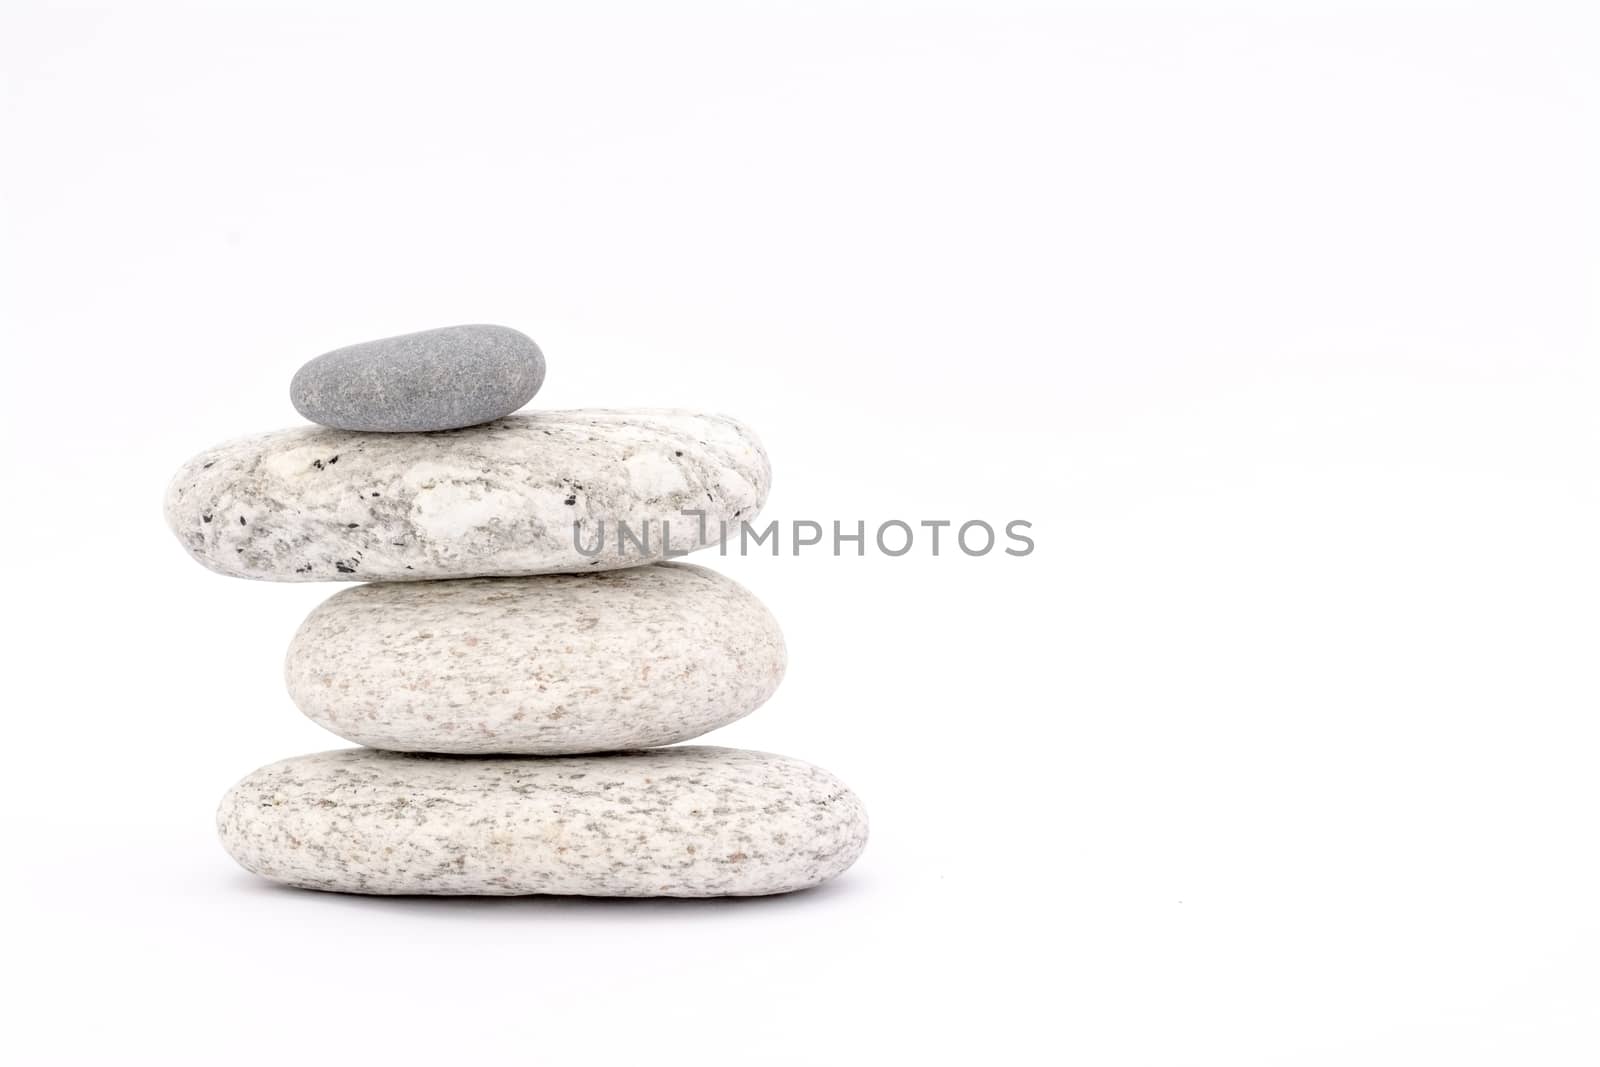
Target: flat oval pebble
x=433, y=380
x=315, y=505
x=680, y=822
x=556, y=664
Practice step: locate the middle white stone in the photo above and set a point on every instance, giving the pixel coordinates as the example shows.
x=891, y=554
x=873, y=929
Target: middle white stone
x=545, y=665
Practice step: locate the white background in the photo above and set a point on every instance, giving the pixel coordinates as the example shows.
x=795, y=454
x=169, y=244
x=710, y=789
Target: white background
x=1279, y=322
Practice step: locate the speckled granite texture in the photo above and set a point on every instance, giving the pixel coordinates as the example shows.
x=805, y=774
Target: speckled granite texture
x=440, y=379
x=313, y=504
x=548, y=665
x=683, y=822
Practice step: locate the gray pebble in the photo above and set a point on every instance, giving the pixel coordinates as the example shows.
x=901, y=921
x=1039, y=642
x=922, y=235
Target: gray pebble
x=673, y=822
x=562, y=663
x=440, y=379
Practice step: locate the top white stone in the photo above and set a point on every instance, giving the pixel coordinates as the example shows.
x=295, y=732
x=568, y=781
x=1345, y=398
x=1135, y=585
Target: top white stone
x=547, y=492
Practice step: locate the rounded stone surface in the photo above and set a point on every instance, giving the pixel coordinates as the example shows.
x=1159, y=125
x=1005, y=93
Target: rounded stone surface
x=562, y=663
x=681, y=822
x=440, y=379
x=316, y=505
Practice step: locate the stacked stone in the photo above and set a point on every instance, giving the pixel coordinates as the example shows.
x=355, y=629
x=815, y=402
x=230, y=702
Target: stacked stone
x=516, y=658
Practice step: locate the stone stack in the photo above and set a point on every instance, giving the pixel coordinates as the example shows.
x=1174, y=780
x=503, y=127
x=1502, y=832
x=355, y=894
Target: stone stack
x=520, y=648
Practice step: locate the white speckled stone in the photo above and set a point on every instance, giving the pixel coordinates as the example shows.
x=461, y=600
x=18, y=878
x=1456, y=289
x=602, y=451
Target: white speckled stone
x=313, y=504
x=682, y=822
x=549, y=665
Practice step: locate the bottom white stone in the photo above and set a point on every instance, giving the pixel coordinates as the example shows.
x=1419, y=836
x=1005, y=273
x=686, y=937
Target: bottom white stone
x=690, y=821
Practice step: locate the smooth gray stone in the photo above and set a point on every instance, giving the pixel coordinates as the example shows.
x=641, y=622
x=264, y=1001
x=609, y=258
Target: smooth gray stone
x=551, y=665
x=440, y=379
x=686, y=821
x=316, y=505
